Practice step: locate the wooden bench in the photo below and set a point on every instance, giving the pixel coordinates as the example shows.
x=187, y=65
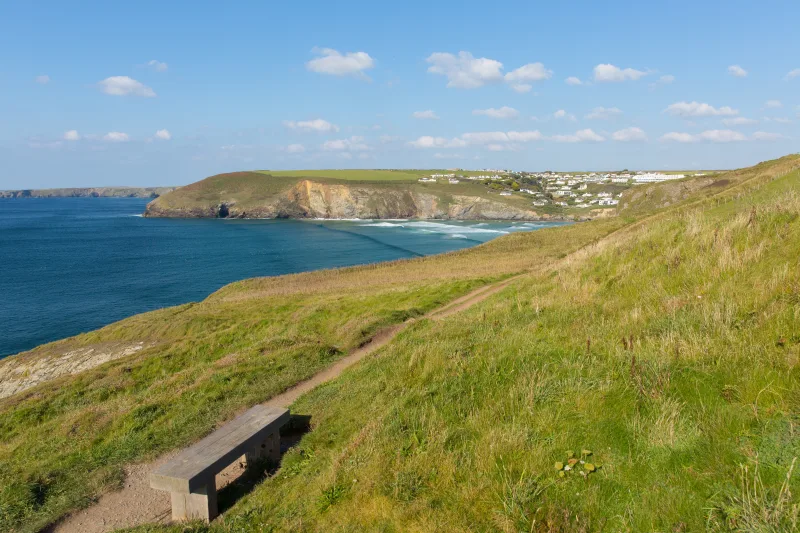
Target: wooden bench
x=190, y=477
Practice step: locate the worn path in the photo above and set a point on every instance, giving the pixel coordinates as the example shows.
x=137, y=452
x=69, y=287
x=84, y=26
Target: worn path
x=136, y=503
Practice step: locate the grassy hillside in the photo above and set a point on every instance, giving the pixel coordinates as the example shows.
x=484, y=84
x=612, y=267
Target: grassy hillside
x=663, y=341
x=650, y=198
x=64, y=442
x=248, y=187
x=669, y=352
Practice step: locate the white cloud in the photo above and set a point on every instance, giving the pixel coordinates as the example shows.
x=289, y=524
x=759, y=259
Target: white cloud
x=317, y=125
x=503, y=112
x=675, y=136
x=765, y=136
x=525, y=136
x=722, y=136
x=779, y=120
x=497, y=147
x=773, y=104
x=335, y=63
x=492, y=140
x=385, y=139
x=426, y=141
x=522, y=87
x=295, y=149
x=715, y=136
x=485, y=137
x=425, y=115
x=529, y=72
x=71, y=135
x=156, y=65
x=578, y=136
x=164, y=135
x=116, y=136
x=603, y=113
x=465, y=71
x=572, y=80
x=125, y=86
x=793, y=74
x=629, y=135
x=696, y=109
x=737, y=71
x=739, y=121
x=563, y=114
x=352, y=144
x=607, y=72
x=44, y=79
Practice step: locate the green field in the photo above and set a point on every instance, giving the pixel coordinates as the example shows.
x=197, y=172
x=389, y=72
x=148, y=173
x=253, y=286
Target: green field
x=661, y=346
x=368, y=175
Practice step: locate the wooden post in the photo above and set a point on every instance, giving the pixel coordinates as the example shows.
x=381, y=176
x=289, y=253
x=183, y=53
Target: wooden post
x=199, y=505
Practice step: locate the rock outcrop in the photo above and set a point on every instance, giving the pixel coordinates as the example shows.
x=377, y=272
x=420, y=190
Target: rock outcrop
x=26, y=370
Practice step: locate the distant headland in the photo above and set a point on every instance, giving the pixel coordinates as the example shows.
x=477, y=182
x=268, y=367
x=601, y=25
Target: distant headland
x=382, y=194
x=89, y=192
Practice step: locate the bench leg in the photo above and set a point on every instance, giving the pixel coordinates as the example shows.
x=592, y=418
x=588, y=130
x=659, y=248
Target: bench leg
x=269, y=449
x=199, y=505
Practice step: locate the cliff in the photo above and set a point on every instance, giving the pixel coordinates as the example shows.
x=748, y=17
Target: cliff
x=89, y=192
x=305, y=198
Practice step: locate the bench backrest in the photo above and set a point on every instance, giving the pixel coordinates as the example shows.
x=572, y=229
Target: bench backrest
x=197, y=465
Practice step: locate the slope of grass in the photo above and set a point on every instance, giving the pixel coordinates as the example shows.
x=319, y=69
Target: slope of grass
x=247, y=187
x=670, y=352
x=64, y=442
x=650, y=198
x=457, y=425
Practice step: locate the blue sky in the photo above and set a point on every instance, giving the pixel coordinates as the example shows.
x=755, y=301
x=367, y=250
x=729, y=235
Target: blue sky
x=163, y=93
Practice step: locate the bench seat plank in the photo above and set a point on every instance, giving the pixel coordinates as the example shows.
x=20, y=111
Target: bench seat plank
x=197, y=465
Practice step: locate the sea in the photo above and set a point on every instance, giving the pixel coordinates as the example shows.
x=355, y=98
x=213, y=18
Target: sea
x=71, y=265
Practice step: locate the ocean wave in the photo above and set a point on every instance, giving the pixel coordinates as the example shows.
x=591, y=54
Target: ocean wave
x=437, y=227
x=344, y=219
x=384, y=225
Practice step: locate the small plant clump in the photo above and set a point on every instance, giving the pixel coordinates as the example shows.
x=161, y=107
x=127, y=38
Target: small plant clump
x=574, y=464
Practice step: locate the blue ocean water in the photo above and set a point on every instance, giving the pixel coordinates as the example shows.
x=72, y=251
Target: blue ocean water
x=71, y=265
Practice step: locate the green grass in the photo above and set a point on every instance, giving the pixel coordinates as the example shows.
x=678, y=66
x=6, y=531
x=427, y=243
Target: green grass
x=692, y=418
x=65, y=442
x=663, y=341
x=246, y=187
x=355, y=174
x=369, y=174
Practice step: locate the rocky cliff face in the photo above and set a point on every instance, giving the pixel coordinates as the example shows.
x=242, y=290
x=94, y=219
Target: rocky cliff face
x=310, y=199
